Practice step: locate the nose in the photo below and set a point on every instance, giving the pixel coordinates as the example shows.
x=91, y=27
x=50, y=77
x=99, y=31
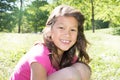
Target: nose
x=67, y=33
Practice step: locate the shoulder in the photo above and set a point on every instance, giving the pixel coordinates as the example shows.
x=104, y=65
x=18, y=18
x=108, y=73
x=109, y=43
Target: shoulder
x=38, y=49
x=39, y=53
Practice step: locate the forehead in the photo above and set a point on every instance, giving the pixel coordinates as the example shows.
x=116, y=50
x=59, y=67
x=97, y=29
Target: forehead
x=67, y=21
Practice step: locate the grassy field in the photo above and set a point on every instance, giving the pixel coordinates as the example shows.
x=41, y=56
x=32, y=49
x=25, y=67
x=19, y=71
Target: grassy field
x=104, y=52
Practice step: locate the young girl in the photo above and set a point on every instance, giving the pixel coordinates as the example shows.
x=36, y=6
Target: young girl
x=63, y=50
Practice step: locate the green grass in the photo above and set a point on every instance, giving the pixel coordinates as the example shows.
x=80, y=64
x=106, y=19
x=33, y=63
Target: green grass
x=104, y=52
x=12, y=47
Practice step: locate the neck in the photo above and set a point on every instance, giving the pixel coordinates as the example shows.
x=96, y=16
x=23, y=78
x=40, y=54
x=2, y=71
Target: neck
x=60, y=52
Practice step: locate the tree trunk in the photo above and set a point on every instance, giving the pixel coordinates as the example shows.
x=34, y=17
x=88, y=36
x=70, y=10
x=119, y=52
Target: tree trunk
x=92, y=20
x=20, y=17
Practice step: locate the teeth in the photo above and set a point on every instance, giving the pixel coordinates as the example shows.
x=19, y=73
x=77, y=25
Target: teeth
x=65, y=41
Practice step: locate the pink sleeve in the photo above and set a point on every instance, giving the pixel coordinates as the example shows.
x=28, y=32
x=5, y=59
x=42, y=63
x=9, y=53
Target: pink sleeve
x=38, y=54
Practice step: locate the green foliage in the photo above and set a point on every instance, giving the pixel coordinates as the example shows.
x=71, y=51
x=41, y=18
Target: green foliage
x=116, y=31
x=99, y=24
x=105, y=10
x=7, y=18
x=36, y=15
x=82, y=5
x=108, y=11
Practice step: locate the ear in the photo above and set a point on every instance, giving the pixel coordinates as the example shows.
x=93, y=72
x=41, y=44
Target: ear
x=49, y=33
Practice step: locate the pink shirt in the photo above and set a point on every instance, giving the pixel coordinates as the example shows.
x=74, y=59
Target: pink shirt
x=39, y=53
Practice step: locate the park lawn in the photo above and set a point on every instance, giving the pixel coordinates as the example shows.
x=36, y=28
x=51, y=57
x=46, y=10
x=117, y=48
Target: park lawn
x=105, y=54
x=104, y=51
x=12, y=47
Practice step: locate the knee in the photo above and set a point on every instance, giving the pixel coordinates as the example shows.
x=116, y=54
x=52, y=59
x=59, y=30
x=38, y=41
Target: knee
x=83, y=69
x=68, y=73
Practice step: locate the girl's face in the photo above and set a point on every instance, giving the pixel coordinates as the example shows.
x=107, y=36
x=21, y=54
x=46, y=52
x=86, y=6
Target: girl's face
x=64, y=33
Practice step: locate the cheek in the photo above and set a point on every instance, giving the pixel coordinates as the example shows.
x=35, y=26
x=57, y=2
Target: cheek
x=54, y=36
x=74, y=36
x=75, y=39
x=55, y=32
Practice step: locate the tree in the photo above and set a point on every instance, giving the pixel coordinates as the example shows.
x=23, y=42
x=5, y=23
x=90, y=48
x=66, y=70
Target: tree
x=108, y=11
x=83, y=5
x=36, y=15
x=105, y=10
x=7, y=19
x=20, y=16
x=92, y=20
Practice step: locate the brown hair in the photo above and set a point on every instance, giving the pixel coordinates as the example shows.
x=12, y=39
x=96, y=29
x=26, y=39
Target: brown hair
x=78, y=48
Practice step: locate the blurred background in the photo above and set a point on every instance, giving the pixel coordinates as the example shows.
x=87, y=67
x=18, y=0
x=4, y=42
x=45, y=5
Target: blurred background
x=22, y=22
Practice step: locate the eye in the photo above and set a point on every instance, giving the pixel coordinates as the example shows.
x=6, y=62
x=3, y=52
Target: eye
x=73, y=30
x=61, y=27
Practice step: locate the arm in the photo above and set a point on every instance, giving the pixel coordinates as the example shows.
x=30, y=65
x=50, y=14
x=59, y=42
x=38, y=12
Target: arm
x=38, y=72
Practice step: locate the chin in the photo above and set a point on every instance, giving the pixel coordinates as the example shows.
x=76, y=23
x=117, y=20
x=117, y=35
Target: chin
x=65, y=49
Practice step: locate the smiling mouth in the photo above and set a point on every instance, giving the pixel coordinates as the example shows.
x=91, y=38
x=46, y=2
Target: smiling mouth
x=65, y=41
